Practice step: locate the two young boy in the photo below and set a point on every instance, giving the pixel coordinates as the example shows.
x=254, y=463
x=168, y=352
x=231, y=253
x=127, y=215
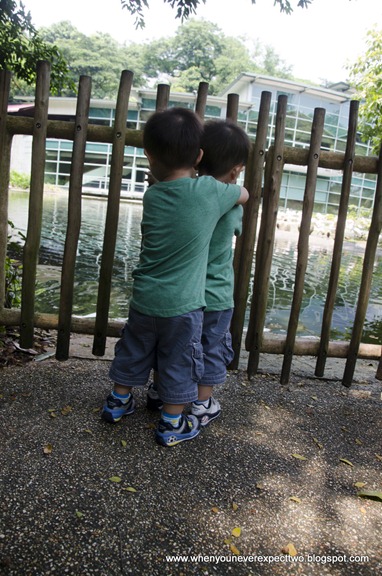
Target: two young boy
x=165, y=323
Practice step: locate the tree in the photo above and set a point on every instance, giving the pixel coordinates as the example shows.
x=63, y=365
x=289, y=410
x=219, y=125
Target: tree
x=186, y=8
x=98, y=56
x=198, y=51
x=21, y=47
x=366, y=78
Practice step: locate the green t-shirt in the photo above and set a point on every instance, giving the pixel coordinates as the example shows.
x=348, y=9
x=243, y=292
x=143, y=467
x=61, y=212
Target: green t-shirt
x=178, y=220
x=220, y=276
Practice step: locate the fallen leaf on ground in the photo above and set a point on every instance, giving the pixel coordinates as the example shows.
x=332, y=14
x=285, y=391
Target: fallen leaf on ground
x=215, y=510
x=47, y=449
x=66, y=410
x=359, y=484
x=295, y=499
x=236, y=532
x=299, y=457
x=345, y=461
x=79, y=514
x=315, y=440
x=129, y=489
x=289, y=549
x=378, y=457
x=124, y=443
x=234, y=550
x=358, y=441
x=371, y=494
x=115, y=479
x=234, y=506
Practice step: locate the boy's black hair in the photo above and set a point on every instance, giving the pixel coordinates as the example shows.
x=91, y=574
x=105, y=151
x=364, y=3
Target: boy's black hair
x=173, y=137
x=224, y=146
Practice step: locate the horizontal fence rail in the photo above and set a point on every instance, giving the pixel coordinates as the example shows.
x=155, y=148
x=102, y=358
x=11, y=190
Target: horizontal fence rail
x=263, y=180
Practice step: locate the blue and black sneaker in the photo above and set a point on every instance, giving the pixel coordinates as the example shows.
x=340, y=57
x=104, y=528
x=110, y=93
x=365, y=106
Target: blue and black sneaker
x=168, y=435
x=114, y=409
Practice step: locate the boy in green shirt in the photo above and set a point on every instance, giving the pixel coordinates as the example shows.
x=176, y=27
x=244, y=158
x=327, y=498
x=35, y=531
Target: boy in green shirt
x=166, y=310
x=226, y=148
x=225, y=153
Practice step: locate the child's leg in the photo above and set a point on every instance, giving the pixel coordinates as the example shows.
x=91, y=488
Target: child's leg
x=218, y=353
x=180, y=366
x=131, y=366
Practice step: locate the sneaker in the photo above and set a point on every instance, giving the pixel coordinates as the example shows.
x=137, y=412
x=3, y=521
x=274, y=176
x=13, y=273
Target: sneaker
x=168, y=435
x=153, y=402
x=114, y=409
x=206, y=415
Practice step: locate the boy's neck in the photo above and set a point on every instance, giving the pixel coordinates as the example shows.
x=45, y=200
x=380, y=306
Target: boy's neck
x=167, y=176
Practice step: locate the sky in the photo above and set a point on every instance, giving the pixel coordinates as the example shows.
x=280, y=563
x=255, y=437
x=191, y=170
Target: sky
x=317, y=42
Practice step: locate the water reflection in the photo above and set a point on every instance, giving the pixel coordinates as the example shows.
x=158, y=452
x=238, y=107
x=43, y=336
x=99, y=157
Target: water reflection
x=127, y=250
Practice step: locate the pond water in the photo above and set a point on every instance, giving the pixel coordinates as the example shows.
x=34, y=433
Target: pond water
x=126, y=257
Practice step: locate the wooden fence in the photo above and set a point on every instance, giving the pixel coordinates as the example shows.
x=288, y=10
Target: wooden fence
x=263, y=180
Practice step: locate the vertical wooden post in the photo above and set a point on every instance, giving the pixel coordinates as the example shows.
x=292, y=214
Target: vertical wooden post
x=339, y=239
x=5, y=160
x=303, y=240
x=232, y=107
x=163, y=97
x=367, y=275
x=32, y=244
x=201, y=99
x=74, y=218
x=272, y=182
x=112, y=214
x=245, y=244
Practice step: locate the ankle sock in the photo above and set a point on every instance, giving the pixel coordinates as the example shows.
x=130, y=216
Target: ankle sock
x=204, y=403
x=173, y=419
x=124, y=398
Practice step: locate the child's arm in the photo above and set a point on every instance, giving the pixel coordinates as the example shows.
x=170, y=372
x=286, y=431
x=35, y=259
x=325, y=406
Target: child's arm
x=243, y=195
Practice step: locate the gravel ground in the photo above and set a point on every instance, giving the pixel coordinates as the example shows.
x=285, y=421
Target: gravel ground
x=61, y=514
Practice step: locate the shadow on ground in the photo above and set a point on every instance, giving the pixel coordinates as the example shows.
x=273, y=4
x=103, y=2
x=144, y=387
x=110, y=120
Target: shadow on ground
x=61, y=514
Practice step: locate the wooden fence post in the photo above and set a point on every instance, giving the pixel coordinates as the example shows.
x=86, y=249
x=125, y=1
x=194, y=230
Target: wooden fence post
x=163, y=97
x=112, y=214
x=32, y=243
x=232, y=107
x=201, y=99
x=5, y=160
x=74, y=218
x=367, y=275
x=303, y=240
x=245, y=244
x=338, y=239
x=272, y=182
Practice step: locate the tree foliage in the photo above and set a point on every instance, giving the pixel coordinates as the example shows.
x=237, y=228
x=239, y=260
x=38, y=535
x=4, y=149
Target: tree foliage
x=366, y=78
x=21, y=47
x=186, y=8
x=199, y=51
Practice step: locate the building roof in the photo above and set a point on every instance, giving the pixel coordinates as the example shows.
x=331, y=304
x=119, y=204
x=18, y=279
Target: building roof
x=245, y=78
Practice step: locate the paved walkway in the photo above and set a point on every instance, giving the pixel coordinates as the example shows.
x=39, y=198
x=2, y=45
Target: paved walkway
x=269, y=488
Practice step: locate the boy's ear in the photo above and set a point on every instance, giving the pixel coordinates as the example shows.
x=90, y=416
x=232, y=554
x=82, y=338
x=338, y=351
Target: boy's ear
x=200, y=156
x=234, y=172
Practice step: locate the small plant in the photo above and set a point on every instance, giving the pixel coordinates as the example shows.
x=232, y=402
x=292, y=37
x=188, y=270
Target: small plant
x=13, y=277
x=18, y=180
x=13, y=272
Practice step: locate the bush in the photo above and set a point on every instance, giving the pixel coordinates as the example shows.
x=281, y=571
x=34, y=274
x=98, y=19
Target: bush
x=18, y=180
x=13, y=276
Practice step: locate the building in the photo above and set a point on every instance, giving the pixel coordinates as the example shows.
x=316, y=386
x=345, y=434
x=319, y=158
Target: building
x=302, y=100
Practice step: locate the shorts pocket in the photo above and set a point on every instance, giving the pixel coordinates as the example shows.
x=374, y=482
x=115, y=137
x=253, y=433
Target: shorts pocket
x=197, y=362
